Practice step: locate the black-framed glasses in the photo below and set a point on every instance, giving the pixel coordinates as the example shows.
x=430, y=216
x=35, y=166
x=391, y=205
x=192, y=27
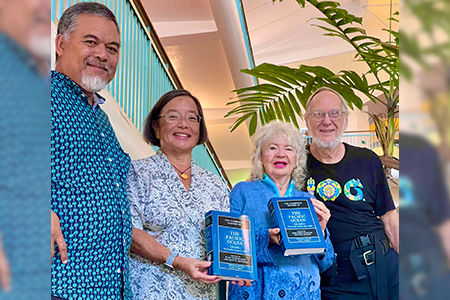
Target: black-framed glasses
x=174, y=117
x=334, y=114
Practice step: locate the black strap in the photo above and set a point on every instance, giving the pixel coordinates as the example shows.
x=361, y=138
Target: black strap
x=367, y=258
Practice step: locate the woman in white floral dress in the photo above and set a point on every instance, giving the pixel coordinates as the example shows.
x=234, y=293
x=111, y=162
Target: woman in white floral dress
x=169, y=195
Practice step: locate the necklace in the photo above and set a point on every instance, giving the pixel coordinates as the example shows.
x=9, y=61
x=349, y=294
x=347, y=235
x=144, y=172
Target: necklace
x=183, y=174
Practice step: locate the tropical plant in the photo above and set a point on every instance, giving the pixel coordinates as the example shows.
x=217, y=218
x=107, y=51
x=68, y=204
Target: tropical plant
x=285, y=90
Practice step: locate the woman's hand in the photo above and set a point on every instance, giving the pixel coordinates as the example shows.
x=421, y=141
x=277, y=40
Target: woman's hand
x=241, y=282
x=273, y=233
x=323, y=213
x=195, y=268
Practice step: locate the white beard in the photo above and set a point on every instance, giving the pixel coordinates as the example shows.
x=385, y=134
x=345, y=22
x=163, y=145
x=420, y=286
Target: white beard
x=93, y=84
x=327, y=145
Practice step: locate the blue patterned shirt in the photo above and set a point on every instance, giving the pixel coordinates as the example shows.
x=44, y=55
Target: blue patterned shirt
x=24, y=161
x=88, y=179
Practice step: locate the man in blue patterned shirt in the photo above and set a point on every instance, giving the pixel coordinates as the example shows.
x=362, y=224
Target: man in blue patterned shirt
x=91, y=223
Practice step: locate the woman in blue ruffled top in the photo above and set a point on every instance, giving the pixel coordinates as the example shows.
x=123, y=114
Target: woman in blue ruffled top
x=278, y=170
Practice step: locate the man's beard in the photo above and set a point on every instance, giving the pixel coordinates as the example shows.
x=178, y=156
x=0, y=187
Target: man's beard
x=93, y=84
x=327, y=145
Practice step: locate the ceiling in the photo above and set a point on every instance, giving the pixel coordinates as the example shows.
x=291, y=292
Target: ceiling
x=202, y=42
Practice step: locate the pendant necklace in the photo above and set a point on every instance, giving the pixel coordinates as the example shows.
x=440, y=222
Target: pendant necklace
x=183, y=174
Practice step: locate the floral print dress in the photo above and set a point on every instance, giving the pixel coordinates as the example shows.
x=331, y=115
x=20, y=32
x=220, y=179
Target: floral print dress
x=161, y=206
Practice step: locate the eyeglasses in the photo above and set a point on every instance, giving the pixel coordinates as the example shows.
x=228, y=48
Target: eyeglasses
x=334, y=114
x=174, y=117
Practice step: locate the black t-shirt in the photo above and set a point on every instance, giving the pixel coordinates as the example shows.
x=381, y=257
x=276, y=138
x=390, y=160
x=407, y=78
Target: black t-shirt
x=355, y=190
x=424, y=200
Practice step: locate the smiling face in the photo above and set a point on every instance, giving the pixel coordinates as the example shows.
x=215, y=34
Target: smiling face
x=181, y=136
x=278, y=157
x=326, y=133
x=90, y=56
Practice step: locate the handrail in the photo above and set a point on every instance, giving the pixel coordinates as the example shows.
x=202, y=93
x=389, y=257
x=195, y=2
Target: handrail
x=140, y=11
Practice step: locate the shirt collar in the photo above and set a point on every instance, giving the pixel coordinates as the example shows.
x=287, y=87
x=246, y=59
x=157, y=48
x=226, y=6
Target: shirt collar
x=98, y=99
x=274, y=188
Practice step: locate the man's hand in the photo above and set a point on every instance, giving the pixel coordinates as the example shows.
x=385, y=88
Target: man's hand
x=5, y=282
x=273, y=236
x=391, y=226
x=195, y=268
x=58, y=238
x=323, y=213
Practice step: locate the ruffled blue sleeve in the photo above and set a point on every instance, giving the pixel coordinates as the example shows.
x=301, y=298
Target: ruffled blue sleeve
x=241, y=203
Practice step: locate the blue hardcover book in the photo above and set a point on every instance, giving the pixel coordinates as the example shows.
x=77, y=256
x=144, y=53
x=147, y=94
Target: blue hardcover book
x=230, y=246
x=300, y=231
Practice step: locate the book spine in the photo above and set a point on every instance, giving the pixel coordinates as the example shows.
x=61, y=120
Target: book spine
x=209, y=242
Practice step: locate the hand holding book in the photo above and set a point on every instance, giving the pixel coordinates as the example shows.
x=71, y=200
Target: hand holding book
x=300, y=223
x=323, y=213
x=195, y=268
x=273, y=236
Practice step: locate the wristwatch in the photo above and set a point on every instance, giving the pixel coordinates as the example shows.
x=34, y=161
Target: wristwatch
x=170, y=259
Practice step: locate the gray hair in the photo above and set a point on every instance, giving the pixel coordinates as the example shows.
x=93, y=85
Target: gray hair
x=323, y=89
x=294, y=137
x=68, y=21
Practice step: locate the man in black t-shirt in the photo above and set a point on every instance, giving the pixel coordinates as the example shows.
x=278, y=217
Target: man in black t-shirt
x=353, y=186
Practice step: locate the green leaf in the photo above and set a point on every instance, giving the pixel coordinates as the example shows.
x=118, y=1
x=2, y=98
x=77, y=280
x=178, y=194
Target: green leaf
x=326, y=21
x=252, y=125
x=336, y=34
x=267, y=78
x=324, y=4
x=291, y=112
x=261, y=116
x=349, y=30
x=294, y=103
x=271, y=111
x=307, y=91
x=319, y=71
x=239, y=122
x=279, y=115
x=328, y=29
x=284, y=110
x=300, y=2
x=359, y=38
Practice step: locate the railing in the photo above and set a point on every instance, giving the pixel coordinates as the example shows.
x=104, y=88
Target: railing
x=144, y=72
x=360, y=139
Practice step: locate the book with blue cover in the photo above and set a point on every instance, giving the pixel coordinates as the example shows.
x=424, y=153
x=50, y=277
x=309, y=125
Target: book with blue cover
x=230, y=246
x=300, y=231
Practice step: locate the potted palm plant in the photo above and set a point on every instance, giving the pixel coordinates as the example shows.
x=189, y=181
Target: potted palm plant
x=285, y=90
